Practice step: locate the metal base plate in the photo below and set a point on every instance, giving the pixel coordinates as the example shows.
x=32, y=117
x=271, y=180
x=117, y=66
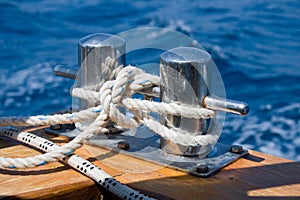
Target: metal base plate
x=145, y=144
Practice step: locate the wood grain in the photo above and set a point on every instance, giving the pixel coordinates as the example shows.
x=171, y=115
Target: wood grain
x=257, y=176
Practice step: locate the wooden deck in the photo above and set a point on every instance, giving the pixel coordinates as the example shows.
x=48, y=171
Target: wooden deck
x=257, y=176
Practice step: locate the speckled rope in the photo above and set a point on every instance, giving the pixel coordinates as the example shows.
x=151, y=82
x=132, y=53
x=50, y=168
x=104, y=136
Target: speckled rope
x=78, y=163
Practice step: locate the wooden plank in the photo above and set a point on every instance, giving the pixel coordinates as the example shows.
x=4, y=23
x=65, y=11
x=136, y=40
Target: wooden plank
x=51, y=180
x=255, y=176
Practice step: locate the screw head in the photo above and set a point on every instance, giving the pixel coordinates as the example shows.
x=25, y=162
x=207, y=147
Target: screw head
x=123, y=145
x=236, y=149
x=202, y=169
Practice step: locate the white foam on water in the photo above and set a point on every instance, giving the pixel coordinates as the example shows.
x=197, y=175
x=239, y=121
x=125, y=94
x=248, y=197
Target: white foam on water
x=37, y=82
x=278, y=134
x=8, y=102
x=173, y=24
x=294, y=106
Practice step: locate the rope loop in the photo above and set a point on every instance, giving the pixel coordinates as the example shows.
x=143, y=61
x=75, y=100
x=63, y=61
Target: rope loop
x=112, y=95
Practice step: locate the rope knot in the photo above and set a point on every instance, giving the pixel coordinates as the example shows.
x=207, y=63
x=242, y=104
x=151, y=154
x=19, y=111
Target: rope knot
x=113, y=92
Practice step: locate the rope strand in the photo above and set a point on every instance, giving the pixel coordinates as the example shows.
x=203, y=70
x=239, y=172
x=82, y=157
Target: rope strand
x=112, y=94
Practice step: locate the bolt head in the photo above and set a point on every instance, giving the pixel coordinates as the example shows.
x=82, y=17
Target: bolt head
x=236, y=149
x=123, y=145
x=202, y=169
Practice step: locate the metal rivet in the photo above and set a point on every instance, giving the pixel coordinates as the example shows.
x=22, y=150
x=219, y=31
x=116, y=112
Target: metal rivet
x=202, y=169
x=123, y=145
x=236, y=149
x=55, y=127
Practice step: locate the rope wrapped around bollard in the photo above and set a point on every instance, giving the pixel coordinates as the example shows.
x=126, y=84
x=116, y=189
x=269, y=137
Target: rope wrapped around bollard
x=116, y=93
x=113, y=94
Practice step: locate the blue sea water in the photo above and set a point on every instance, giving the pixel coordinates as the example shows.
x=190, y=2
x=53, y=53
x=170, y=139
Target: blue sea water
x=255, y=44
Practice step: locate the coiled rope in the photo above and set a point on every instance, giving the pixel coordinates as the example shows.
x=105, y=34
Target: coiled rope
x=111, y=95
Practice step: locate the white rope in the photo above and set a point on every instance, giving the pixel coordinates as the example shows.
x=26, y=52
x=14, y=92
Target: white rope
x=111, y=95
x=43, y=120
x=59, y=153
x=151, y=106
x=114, y=93
x=89, y=95
x=165, y=108
x=177, y=136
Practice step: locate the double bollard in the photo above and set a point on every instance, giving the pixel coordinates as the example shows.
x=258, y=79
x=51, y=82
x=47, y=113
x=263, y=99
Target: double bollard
x=186, y=76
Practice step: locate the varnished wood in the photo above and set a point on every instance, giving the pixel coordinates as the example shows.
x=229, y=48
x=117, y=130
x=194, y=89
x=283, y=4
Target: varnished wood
x=256, y=176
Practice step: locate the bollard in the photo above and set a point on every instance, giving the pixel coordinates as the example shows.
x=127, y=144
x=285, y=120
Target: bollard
x=93, y=51
x=185, y=76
